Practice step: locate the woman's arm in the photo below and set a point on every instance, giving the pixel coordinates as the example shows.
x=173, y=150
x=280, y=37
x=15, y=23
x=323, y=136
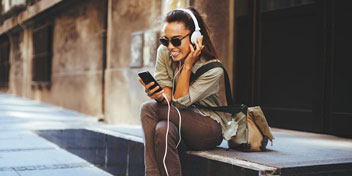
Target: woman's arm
x=183, y=81
x=167, y=92
x=161, y=76
x=207, y=84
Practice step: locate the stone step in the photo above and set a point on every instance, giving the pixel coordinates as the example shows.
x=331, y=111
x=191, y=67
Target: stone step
x=120, y=152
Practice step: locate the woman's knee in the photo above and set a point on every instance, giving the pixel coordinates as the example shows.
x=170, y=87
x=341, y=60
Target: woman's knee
x=147, y=108
x=160, y=129
x=160, y=132
x=148, y=105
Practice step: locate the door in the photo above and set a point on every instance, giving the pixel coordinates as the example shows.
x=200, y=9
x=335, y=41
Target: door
x=340, y=77
x=291, y=58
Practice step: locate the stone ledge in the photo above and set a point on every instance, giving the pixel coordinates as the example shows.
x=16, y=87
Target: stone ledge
x=294, y=153
x=212, y=155
x=120, y=154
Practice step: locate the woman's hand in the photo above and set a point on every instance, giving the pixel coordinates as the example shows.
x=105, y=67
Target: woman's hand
x=194, y=53
x=152, y=93
x=183, y=81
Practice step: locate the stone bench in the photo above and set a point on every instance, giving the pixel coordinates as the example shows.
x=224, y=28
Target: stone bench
x=119, y=150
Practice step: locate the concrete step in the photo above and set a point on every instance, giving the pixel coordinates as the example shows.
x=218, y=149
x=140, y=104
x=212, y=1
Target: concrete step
x=119, y=151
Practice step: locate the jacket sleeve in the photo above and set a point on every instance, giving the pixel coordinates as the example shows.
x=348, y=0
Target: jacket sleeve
x=161, y=72
x=207, y=84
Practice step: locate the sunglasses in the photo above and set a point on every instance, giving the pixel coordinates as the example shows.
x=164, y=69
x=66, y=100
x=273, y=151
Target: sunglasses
x=175, y=41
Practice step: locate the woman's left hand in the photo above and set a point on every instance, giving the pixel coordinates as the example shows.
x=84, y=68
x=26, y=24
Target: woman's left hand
x=194, y=53
x=152, y=93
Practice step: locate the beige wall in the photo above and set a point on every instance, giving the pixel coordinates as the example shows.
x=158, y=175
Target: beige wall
x=76, y=62
x=77, y=58
x=219, y=18
x=20, y=56
x=78, y=55
x=16, y=63
x=123, y=93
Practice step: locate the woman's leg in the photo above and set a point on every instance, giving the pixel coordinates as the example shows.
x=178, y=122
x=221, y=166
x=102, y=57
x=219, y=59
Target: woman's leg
x=149, y=119
x=199, y=132
x=172, y=159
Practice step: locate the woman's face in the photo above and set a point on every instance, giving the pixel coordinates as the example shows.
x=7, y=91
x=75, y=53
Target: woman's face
x=177, y=30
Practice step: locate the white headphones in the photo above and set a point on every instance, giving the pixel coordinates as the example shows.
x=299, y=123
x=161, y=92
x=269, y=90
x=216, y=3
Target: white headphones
x=196, y=34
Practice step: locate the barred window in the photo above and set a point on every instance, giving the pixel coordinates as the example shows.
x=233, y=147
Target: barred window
x=4, y=61
x=42, y=53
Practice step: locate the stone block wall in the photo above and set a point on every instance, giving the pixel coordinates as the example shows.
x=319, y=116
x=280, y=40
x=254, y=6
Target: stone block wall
x=81, y=79
x=123, y=93
x=78, y=57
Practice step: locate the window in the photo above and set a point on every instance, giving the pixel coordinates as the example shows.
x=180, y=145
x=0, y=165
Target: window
x=4, y=61
x=42, y=53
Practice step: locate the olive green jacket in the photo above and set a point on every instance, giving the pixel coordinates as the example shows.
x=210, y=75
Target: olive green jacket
x=204, y=91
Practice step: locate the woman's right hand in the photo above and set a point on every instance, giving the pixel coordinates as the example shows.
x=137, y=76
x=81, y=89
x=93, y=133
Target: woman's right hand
x=152, y=93
x=194, y=53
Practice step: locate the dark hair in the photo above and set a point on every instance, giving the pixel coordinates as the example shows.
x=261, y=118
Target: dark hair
x=208, y=51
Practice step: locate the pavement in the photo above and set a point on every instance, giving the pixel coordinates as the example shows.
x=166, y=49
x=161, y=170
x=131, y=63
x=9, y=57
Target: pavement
x=24, y=152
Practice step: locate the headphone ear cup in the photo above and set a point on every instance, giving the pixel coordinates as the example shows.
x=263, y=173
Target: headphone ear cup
x=195, y=36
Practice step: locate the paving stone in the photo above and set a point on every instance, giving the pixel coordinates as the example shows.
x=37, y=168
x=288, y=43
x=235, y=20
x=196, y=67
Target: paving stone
x=37, y=157
x=86, y=171
x=8, y=173
x=24, y=153
x=22, y=140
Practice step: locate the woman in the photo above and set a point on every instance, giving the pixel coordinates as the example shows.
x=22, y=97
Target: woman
x=197, y=129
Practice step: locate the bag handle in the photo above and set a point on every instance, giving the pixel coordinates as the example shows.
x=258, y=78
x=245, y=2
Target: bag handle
x=230, y=108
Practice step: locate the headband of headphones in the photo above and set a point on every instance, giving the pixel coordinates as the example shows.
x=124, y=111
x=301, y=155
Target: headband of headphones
x=197, y=28
x=196, y=34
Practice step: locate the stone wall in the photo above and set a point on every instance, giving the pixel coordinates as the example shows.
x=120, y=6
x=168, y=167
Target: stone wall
x=123, y=93
x=76, y=80
x=220, y=20
x=20, y=53
x=77, y=58
x=78, y=54
x=16, y=62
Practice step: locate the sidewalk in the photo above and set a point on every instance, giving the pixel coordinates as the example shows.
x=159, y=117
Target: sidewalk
x=24, y=153
x=26, y=127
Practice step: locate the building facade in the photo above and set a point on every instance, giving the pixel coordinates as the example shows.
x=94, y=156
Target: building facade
x=85, y=55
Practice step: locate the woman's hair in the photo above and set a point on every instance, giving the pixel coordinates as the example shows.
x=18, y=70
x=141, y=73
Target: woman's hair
x=208, y=52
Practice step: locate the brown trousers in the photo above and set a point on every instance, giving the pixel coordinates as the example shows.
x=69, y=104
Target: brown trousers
x=198, y=132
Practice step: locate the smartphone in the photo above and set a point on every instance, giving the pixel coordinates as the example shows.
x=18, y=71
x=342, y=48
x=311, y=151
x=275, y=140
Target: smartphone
x=147, y=78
